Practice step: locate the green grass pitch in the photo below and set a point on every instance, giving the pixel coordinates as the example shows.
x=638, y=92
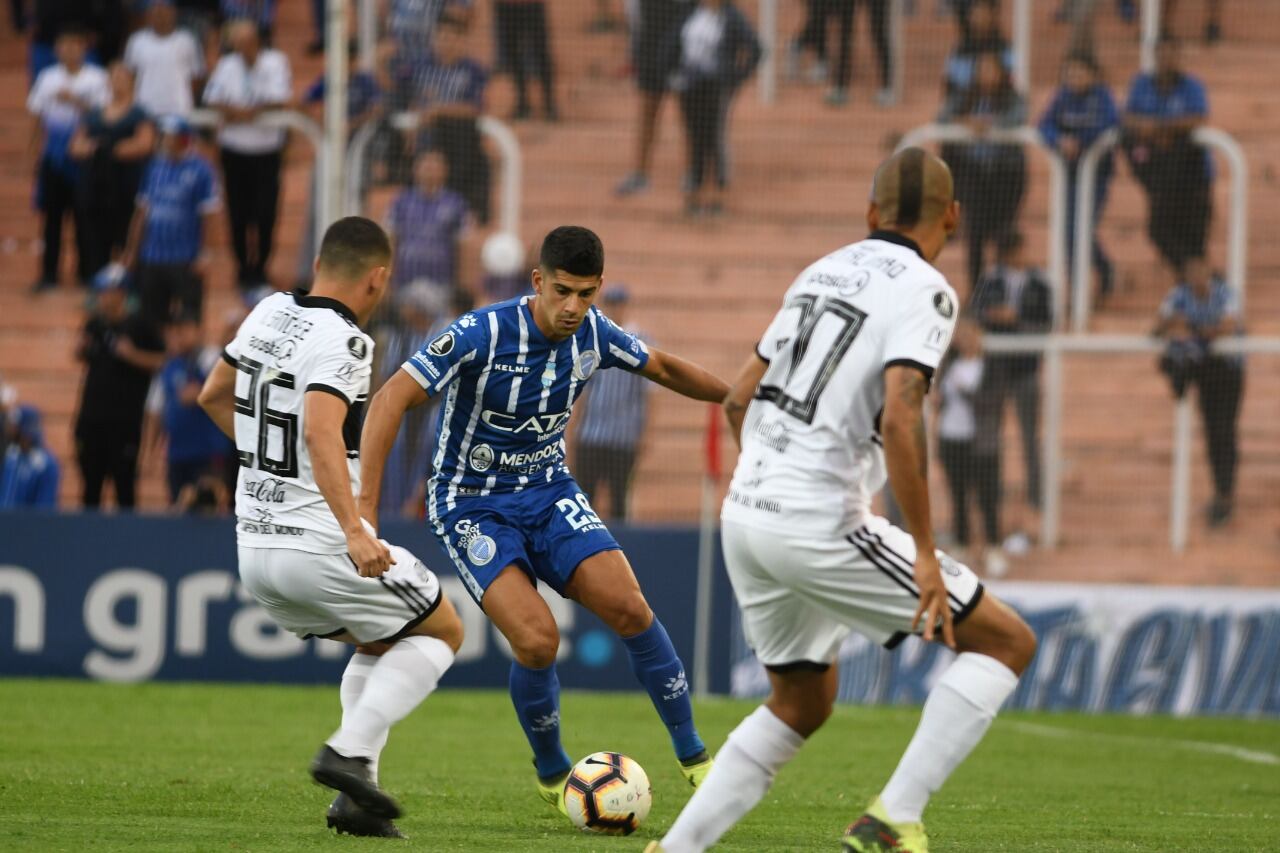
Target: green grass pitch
x=169, y=767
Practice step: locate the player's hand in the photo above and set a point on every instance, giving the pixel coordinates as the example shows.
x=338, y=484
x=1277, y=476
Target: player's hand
x=933, y=599
x=371, y=557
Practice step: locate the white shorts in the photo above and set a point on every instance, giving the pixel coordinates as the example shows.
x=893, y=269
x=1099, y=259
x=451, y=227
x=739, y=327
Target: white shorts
x=801, y=596
x=322, y=595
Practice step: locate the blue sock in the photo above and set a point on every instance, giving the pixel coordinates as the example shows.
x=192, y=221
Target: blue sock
x=654, y=661
x=536, y=696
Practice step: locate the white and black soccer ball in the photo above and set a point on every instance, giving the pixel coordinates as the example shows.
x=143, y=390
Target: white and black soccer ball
x=609, y=793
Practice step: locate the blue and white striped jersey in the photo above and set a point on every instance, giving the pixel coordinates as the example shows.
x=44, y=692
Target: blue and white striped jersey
x=509, y=392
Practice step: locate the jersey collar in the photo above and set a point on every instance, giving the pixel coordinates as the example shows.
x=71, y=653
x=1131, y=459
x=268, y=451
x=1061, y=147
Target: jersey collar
x=307, y=301
x=898, y=239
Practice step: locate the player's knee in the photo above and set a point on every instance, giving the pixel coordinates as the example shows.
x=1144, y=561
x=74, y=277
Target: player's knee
x=629, y=615
x=1022, y=645
x=537, y=649
x=803, y=714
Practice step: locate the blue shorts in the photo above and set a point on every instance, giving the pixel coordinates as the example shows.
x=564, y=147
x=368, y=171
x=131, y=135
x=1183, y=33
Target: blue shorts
x=546, y=530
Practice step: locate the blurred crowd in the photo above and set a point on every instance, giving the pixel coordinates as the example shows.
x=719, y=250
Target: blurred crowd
x=114, y=84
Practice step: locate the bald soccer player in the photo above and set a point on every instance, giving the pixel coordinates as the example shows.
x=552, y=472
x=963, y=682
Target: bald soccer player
x=829, y=401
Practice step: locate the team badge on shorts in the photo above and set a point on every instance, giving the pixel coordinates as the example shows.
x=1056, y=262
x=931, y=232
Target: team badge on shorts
x=586, y=365
x=480, y=548
x=481, y=457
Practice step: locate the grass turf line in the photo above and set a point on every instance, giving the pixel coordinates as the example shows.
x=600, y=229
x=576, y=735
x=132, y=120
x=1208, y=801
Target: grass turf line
x=181, y=767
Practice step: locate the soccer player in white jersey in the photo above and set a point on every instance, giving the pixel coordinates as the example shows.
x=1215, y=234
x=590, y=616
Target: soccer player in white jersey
x=291, y=390
x=830, y=399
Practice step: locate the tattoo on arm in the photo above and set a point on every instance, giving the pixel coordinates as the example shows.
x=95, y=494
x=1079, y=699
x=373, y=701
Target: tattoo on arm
x=911, y=392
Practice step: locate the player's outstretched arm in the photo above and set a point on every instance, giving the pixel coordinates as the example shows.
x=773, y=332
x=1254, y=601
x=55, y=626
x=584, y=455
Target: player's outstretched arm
x=381, y=425
x=907, y=458
x=218, y=397
x=325, y=413
x=742, y=392
x=684, y=377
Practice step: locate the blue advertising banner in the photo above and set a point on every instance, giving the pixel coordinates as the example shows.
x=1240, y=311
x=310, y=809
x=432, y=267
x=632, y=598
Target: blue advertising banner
x=1102, y=647
x=131, y=598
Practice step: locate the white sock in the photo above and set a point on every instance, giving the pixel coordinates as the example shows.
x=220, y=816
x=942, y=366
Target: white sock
x=956, y=715
x=396, y=684
x=354, y=678
x=745, y=766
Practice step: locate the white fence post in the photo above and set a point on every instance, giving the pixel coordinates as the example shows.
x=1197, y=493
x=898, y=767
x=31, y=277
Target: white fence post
x=1022, y=45
x=769, y=41
x=1150, y=35
x=331, y=164
x=1180, y=488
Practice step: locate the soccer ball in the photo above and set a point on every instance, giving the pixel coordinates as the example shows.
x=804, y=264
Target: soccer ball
x=608, y=792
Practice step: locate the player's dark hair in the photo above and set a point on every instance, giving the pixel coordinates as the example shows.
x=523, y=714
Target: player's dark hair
x=452, y=21
x=574, y=249
x=352, y=246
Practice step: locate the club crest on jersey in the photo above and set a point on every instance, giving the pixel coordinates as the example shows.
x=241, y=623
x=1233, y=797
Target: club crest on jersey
x=481, y=549
x=586, y=365
x=549, y=372
x=942, y=302
x=358, y=347
x=481, y=457
x=442, y=345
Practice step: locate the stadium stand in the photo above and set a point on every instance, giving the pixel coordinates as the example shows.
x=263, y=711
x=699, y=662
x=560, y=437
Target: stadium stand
x=801, y=174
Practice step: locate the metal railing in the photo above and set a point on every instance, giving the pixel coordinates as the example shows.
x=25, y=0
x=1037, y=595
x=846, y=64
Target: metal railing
x=1086, y=187
x=1052, y=347
x=503, y=137
x=283, y=120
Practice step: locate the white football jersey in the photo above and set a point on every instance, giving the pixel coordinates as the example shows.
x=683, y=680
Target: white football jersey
x=291, y=344
x=811, y=453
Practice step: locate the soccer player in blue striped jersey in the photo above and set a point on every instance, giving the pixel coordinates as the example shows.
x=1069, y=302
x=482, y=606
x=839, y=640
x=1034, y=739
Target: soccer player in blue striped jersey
x=501, y=499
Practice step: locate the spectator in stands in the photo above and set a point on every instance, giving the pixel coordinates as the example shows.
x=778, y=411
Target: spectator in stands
x=177, y=204
x=1014, y=298
x=208, y=496
x=262, y=13
x=427, y=221
x=29, y=473
x=200, y=18
x=523, y=45
x=412, y=23
x=111, y=147
x=100, y=22
x=195, y=445
x=168, y=62
x=878, y=11
x=656, y=24
x=990, y=176
x=969, y=472
x=246, y=83
x=614, y=416
x=1201, y=309
x=19, y=15
x=1163, y=110
x=1081, y=111
x=979, y=34
x=812, y=39
x=450, y=97
x=61, y=95
x=121, y=352
x=714, y=52
x=424, y=311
